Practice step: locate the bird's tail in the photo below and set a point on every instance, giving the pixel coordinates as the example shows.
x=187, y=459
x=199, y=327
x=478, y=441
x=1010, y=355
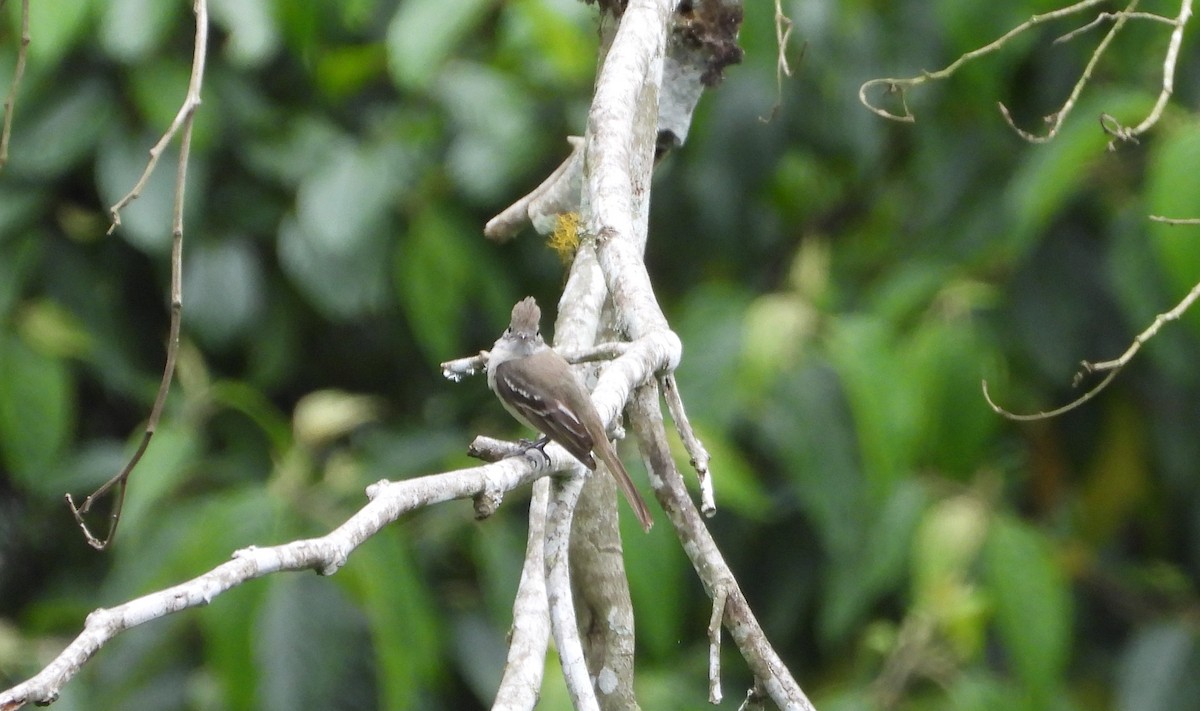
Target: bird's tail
x=608, y=455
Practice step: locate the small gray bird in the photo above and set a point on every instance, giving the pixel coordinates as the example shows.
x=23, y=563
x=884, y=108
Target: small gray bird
x=538, y=387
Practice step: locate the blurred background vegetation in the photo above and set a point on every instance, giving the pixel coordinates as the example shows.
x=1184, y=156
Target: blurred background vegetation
x=841, y=285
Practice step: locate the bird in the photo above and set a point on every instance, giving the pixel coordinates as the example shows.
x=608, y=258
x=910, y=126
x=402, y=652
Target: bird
x=539, y=388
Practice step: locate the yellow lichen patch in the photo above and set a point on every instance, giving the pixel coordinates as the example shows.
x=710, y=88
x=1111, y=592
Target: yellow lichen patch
x=564, y=240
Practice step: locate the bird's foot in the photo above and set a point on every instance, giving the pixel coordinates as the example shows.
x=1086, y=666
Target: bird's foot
x=539, y=445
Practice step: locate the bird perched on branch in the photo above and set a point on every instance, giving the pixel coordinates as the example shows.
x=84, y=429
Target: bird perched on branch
x=538, y=387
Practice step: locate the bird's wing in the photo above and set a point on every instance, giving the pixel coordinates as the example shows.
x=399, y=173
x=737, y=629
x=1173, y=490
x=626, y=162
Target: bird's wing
x=545, y=410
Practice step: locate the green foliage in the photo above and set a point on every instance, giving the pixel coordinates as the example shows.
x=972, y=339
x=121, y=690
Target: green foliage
x=840, y=284
x=1032, y=605
x=36, y=413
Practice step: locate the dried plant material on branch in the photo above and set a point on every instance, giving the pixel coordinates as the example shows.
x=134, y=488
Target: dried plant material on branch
x=1054, y=121
x=783, y=33
x=711, y=27
x=10, y=101
x=1111, y=367
x=182, y=124
x=564, y=239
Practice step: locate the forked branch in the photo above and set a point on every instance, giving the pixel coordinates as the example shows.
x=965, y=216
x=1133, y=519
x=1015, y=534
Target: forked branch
x=183, y=122
x=1054, y=121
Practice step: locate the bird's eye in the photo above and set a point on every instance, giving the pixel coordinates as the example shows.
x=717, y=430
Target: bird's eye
x=508, y=331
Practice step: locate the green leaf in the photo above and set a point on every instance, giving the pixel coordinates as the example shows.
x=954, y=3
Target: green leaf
x=342, y=285
x=553, y=42
x=165, y=466
x=18, y=263
x=131, y=29
x=433, y=269
x=53, y=330
x=887, y=407
x=37, y=411
x=252, y=35
x=54, y=136
x=710, y=322
x=658, y=577
x=1032, y=603
x=1172, y=184
x=948, y=360
x=805, y=425
x=257, y=407
x=497, y=134
x=342, y=204
x=944, y=555
x=404, y=621
x=1057, y=171
x=224, y=293
x=874, y=566
x=57, y=27
x=422, y=34
x=311, y=646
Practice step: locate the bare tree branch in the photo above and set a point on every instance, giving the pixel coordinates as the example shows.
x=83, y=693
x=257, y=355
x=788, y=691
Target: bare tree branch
x=564, y=494
x=1058, y=117
x=183, y=120
x=1176, y=220
x=558, y=193
x=698, y=455
x=1112, y=367
x=608, y=289
x=1169, y=63
x=900, y=85
x=1055, y=120
x=388, y=501
x=709, y=564
x=521, y=684
x=10, y=102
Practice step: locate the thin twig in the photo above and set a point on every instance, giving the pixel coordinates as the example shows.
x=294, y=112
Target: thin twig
x=697, y=454
x=184, y=119
x=756, y=698
x=1169, y=63
x=714, y=646
x=901, y=84
x=1113, y=367
x=1108, y=16
x=10, y=102
x=1176, y=220
x=190, y=103
x=1058, y=117
x=783, y=33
